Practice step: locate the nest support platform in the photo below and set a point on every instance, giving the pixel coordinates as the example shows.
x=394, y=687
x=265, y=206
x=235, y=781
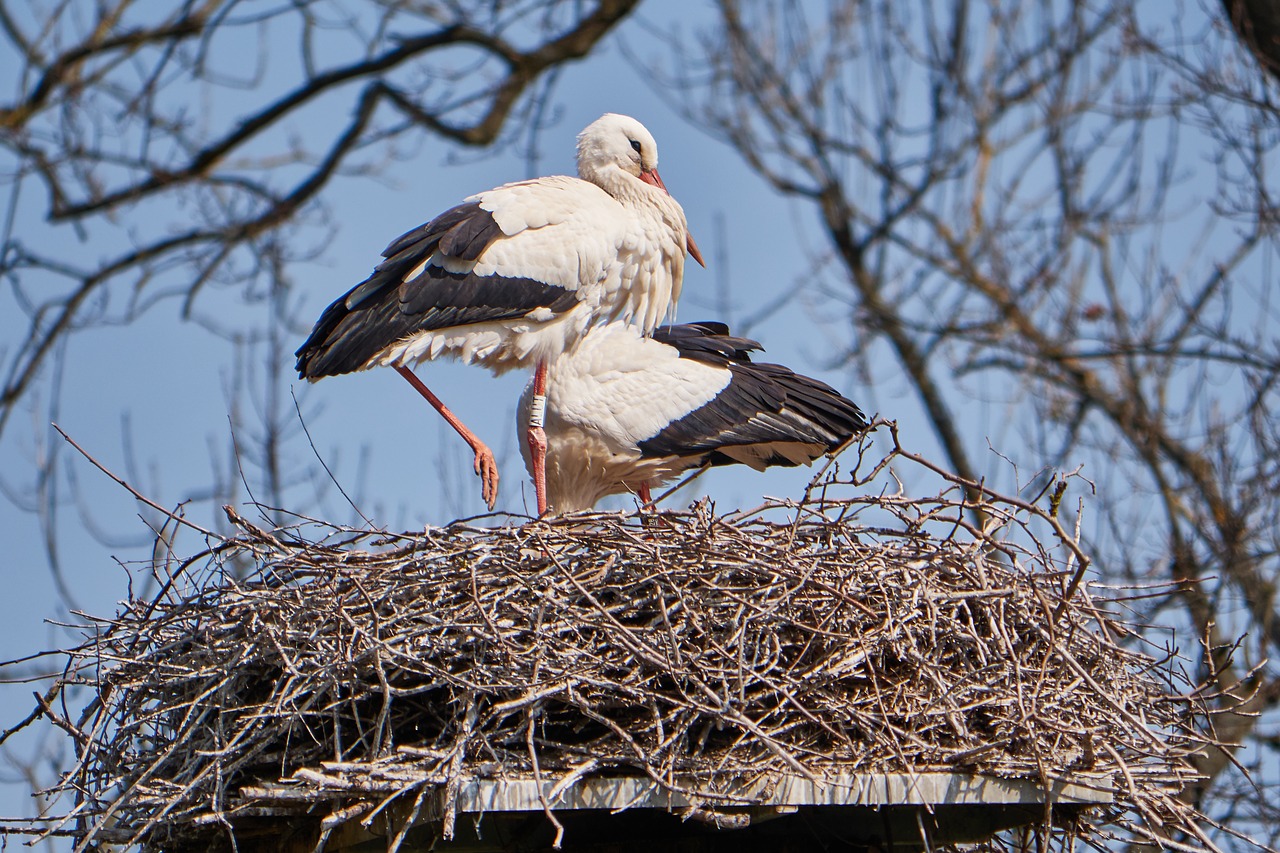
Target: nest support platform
x=886, y=811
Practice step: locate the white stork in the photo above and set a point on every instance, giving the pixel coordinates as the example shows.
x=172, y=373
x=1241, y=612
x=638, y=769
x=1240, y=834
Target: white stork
x=515, y=275
x=626, y=412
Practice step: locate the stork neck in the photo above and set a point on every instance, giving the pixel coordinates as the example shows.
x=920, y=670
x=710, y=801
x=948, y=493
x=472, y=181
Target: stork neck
x=623, y=185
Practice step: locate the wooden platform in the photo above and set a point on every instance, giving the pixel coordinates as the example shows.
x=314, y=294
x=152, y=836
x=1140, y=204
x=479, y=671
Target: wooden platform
x=900, y=812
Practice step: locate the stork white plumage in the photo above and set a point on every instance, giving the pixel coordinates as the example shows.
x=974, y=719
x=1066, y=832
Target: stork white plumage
x=625, y=412
x=515, y=275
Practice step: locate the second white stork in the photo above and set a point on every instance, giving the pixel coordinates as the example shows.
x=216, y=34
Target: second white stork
x=515, y=275
x=625, y=412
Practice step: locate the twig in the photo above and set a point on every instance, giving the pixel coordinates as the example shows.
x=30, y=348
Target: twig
x=172, y=516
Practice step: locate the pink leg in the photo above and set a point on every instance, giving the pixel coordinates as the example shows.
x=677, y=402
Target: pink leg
x=538, y=437
x=646, y=499
x=485, y=465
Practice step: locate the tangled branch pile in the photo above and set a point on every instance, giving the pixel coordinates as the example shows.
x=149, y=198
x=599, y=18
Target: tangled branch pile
x=862, y=635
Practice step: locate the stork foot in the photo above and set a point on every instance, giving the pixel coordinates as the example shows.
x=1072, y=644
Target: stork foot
x=538, y=451
x=486, y=468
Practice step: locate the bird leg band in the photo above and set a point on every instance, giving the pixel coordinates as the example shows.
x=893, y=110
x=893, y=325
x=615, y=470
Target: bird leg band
x=538, y=411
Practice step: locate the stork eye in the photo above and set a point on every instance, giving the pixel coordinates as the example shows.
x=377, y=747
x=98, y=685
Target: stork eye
x=635, y=144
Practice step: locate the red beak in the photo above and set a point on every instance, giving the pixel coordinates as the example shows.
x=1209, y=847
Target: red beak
x=693, y=250
x=652, y=177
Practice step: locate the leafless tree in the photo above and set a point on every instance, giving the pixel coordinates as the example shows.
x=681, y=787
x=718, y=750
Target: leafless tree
x=190, y=106
x=1059, y=216
x=1257, y=22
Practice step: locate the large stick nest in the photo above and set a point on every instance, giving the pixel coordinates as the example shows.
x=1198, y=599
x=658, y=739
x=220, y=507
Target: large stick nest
x=283, y=674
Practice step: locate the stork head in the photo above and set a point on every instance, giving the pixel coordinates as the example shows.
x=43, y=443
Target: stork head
x=616, y=141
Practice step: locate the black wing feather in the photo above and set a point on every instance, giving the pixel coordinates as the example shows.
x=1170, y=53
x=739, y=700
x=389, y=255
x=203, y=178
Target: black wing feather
x=706, y=341
x=761, y=405
x=385, y=308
